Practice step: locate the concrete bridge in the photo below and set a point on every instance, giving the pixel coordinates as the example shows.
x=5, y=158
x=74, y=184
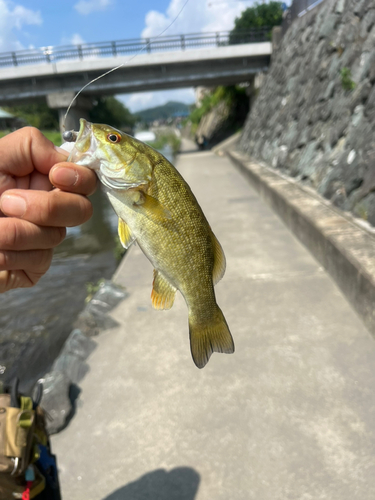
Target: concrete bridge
x=57, y=74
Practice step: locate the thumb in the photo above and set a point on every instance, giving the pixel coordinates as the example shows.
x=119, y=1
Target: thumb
x=26, y=150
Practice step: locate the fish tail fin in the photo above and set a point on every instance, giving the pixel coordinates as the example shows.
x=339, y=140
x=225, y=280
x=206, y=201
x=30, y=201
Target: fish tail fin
x=214, y=336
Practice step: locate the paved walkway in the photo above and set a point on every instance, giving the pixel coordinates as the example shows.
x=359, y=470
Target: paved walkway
x=289, y=416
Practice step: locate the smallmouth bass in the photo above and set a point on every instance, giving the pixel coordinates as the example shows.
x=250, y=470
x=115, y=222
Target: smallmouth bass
x=157, y=209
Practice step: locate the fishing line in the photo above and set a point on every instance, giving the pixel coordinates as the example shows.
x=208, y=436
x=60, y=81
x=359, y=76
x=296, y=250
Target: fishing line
x=123, y=64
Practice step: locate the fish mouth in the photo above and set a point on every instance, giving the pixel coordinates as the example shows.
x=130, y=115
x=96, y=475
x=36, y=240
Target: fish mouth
x=85, y=146
x=84, y=136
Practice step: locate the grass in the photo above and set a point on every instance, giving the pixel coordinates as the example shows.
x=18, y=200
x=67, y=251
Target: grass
x=361, y=211
x=92, y=288
x=52, y=135
x=346, y=79
x=165, y=139
x=3, y=133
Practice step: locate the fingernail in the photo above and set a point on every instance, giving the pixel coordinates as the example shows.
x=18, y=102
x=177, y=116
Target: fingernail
x=61, y=150
x=13, y=205
x=67, y=177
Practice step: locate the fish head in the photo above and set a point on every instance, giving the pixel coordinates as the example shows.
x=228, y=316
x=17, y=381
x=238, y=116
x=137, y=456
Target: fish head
x=120, y=161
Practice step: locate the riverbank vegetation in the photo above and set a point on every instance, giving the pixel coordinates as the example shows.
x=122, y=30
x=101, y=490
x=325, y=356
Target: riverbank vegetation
x=223, y=110
x=233, y=96
x=109, y=110
x=36, y=114
x=53, y=136
x=220, y=113
x=166, y=138
x=106, y=109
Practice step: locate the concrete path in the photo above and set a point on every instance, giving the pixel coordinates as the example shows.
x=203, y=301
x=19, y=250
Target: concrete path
x=289, y=416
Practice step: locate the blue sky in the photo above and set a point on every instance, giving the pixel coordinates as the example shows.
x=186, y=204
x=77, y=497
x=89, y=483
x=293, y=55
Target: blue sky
x=38, y=23
x=50, y=22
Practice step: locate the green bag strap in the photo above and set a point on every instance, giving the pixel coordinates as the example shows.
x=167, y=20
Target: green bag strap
x=25, y=419
x=26, y=403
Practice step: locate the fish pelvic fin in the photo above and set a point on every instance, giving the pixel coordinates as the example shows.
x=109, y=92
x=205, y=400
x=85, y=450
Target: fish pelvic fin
x=163, y=293
x=208, y=338
x=219, y=260
x=125, y=234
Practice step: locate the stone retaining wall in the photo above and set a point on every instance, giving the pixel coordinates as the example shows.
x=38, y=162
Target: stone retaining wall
x=314, y=118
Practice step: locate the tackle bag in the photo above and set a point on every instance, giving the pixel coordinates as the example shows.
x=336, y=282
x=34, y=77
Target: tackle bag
x=27, y=469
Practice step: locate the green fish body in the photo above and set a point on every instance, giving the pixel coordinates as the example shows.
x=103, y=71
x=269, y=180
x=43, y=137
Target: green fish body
x=157, y=209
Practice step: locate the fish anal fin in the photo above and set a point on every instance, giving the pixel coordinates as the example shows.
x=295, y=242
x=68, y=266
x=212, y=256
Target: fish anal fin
x=124, y=234
x=219, y=260
x=208, y=338
x=163, y=293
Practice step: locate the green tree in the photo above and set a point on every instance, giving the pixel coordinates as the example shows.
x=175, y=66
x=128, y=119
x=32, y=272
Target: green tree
x=111, y=111
x=261, y=15
x=37, y=115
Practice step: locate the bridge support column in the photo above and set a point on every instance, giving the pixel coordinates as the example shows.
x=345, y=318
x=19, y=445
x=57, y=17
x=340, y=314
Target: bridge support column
x=254, y=85
x=80, y=108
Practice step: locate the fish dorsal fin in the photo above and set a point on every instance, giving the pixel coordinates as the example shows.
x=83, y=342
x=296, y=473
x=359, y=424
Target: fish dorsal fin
x=163, y=293
x=150, y=207
x=219, y=260
x=124, y=234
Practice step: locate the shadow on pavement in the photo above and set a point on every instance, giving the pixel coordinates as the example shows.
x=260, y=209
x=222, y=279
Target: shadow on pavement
x=180, y=483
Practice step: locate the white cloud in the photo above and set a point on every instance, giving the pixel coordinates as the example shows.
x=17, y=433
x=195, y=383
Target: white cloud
x=87, y=6
x=74, y=39
x=136, y=102
x=144, y=100
x=197, y=16
x=77, y=39
x=14, y=17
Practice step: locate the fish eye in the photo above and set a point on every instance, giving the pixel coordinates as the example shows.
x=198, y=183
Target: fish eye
x=114, y=137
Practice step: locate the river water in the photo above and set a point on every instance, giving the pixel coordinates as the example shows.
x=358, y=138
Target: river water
x=35, y=322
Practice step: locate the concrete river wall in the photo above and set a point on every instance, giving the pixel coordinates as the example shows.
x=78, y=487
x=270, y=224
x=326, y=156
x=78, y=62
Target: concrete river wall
x=314, y=117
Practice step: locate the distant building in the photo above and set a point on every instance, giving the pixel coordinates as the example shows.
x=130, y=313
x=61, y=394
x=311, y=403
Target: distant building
x=9, y=121
x=180, y=114
x=145, y=136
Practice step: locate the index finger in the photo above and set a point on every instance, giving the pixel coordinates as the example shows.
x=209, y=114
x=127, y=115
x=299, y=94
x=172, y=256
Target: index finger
x=27, y=149
x=46, y=208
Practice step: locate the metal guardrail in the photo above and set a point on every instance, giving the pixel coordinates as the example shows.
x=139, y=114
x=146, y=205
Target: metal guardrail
x=132, y=46
x=298, y=9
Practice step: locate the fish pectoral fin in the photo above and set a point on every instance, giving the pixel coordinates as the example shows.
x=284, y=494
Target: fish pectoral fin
x=163, y=293
x=219, y=260
x=125, y=234
x=150, y=207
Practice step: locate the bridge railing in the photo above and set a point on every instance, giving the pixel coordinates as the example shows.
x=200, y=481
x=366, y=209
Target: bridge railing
x=132, y=46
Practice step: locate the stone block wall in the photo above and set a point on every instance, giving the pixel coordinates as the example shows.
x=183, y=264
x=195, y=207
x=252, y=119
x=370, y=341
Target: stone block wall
x=314, y=117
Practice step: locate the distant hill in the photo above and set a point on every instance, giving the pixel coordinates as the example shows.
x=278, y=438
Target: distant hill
x=168, y=110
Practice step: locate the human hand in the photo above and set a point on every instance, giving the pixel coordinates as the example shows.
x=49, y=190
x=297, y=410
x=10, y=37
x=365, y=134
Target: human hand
x=33, y=215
